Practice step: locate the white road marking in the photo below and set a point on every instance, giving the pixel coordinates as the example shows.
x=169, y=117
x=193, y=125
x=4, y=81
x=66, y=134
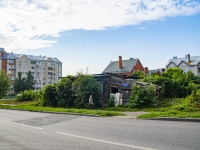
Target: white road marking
x=23, y=125
x=107, y=142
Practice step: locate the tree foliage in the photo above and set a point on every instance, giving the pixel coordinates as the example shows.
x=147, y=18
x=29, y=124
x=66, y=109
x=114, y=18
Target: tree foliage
x=83, y=87
x=29, y=81
x=174, y=83
x=142, y=97
x=19, y=84
x=50, y=96
x=22, y=84
x=4, y=83
x=64, y=91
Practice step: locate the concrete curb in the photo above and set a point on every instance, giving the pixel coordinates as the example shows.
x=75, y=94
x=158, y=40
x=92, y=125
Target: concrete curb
x=177, y=119
x=64, y=113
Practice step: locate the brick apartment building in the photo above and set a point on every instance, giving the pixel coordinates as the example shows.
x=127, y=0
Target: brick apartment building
x=45, y=70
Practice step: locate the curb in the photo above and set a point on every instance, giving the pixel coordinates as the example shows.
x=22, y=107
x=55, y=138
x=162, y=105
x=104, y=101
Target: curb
x=177, y=119
x=64, y=113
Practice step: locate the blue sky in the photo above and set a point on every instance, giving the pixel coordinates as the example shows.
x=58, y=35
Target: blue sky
x=82, y=37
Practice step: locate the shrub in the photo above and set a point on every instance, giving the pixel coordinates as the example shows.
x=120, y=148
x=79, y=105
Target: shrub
x=111, y=101
x=83, y=87
x=141, y=97
x=194, y=99
x=50, y=96
x=29, y=96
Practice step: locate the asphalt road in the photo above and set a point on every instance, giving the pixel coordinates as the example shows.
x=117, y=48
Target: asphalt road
x=21, y=130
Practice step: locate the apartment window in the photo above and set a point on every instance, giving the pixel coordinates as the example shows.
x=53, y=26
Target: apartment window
x=50, y=73
x=43, y=83
x=50, y=63
x=12, y=78
x=25, y=68
x=20, y=62
x=50, y=68
x=38, y=63
x=11, y=61
x=32, y=73
x=199, y=70
x=25, y=73
x=33, y=62
x=20, y=67
x=43, y=68
x=11, y=67
x=43, y=78
x=26, y=62
x=32, y=67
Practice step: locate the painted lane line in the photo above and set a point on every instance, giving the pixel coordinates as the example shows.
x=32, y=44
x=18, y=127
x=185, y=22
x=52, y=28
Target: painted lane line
x=23, y=125
x=107, y=142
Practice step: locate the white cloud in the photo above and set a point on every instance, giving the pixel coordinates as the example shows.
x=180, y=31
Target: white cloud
x=26, y=24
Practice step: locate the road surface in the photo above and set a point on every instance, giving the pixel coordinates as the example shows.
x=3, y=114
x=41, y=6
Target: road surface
x=22, y=130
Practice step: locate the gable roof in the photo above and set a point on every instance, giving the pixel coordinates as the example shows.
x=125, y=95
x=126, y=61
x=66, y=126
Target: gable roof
x=194, y=60
x=30, y=57
x=127, y=66
x=2, y=49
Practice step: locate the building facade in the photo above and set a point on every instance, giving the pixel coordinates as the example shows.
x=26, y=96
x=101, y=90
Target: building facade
x=187, y=63
x=45, y=70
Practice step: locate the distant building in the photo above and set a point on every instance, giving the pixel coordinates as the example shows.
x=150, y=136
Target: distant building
x=186, y=64
x=124, y=67
x=45, y=70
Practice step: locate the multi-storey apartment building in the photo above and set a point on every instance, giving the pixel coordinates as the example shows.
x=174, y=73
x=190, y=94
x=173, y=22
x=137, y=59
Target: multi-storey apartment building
x=45, y=70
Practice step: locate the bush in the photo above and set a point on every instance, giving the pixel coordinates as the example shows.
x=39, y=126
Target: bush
x=194, y=99
x=140, y=97
x=50, y=96
x=83, y=87
x=64, y=91
x=29, y=96
x=111, y=101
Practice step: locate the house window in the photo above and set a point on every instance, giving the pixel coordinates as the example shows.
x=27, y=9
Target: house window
x=33, y=62
x=26, y=62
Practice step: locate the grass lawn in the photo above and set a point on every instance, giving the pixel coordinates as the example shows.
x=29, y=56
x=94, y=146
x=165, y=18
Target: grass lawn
x=30, y=106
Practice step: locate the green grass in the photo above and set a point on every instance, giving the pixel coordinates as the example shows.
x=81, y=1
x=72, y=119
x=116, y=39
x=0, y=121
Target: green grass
x=170, y=114
x=30, y=106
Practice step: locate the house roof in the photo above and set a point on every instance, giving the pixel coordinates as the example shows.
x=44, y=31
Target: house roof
x=194, y=60
x=31, y=57
x=127, y=66
x=2, y=49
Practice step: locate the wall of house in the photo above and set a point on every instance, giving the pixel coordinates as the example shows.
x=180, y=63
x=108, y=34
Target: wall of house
x=4, y=65
x=138, y=66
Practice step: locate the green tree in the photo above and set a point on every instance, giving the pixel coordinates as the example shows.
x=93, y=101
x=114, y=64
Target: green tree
x=29, y=81
x=142, y=97
x=4, y=83
x=64, y=91
x=50, y=96
x=83, y=87
x=19, y=84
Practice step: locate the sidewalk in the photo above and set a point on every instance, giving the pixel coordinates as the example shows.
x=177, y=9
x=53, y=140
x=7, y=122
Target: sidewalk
x=131, y=115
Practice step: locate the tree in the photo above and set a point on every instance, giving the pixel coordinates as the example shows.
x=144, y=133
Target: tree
x=64, y=90
x=19, y=84
x=29, y=81
x=83, y=87
x=142, y=97
x=4, y=83
x=50, y=96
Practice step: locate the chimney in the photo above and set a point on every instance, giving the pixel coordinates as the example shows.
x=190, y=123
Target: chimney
x=146, y=70
x=120, y=62
x=189, y=61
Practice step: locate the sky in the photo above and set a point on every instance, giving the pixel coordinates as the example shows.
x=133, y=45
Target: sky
x=86, y=35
